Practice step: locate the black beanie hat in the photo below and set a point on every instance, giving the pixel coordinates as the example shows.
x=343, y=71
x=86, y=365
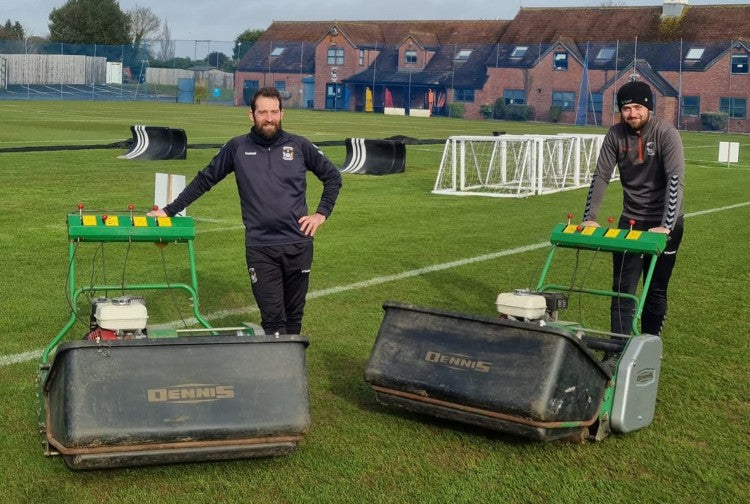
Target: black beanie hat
x=635, y=92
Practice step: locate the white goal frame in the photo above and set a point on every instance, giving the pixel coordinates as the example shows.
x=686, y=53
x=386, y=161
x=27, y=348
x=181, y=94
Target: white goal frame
x=516, y=166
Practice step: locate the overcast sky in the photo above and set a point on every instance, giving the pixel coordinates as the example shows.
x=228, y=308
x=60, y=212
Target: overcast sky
x=224, y=20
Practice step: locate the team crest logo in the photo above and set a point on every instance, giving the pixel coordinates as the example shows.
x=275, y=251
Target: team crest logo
x=288, y=153
x=650, y=148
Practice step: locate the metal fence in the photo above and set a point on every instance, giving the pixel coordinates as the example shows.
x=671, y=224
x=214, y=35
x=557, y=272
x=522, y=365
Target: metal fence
x=35, y=70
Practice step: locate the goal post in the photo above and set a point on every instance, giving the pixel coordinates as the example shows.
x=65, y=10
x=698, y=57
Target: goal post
x=516, y=166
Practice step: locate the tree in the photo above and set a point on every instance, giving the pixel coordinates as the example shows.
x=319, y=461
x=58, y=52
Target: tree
x=245, y=41
x=90, y=22
x=217, y=59
x=12, y=31
x=166, y=52
x=143, y=24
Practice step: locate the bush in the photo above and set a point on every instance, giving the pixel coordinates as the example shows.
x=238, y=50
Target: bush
x=714, y=121
x=201, y=93
x=499, y=112
x=555, y=112
x=517, y=112
x=487, y=111
x=456, y=110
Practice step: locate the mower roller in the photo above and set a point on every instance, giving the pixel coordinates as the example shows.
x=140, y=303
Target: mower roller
x=526, y=373
x=130, y=395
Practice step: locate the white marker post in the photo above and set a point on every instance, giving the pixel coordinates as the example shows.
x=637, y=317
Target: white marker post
x=167, y=186
x=729, y=152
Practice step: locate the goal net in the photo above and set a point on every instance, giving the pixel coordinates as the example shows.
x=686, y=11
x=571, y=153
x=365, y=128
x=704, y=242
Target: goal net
x=516, y=166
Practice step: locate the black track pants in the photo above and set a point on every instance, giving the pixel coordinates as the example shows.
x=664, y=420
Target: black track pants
x=280, y=276
x=627, y=269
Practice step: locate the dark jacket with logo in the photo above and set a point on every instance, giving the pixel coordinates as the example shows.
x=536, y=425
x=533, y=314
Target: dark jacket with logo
x=651, y=163
x=272, y=182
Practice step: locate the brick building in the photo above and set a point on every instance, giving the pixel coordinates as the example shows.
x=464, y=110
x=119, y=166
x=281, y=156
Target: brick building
x=556, y=62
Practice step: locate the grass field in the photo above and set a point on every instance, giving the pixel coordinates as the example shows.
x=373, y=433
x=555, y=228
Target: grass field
x=383, y=232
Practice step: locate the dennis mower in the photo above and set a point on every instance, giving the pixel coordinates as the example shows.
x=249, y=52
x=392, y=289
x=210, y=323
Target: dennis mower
x=128, y=395
x=526, y=373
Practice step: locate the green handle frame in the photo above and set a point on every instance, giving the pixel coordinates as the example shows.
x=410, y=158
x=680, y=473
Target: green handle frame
x=74, y=293
x=639, y=300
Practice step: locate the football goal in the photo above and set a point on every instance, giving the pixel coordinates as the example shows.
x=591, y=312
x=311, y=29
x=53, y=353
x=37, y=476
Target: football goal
x=516, y=166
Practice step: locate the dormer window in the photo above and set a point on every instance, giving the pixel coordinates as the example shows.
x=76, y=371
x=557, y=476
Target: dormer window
x=277, y=51
x=463, y=54
x=410, y=56
x=694, y=54
x=519, y=51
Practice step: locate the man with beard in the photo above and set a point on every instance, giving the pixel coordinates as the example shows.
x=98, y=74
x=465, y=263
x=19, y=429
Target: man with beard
x=270, y=167
x=648, y=153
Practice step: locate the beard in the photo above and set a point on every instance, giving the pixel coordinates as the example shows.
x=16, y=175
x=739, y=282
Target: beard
x=637, y=124
x=269, y=129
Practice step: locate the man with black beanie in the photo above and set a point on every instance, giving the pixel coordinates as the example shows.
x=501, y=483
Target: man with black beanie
x=270, y=167
x=649, y=155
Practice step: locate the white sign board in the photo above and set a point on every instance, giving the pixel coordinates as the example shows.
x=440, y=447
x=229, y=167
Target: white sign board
x=167, y=187
x=729, y=152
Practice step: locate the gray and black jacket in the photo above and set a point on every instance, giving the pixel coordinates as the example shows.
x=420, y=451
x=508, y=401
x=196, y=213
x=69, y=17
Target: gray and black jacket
x=652, y=172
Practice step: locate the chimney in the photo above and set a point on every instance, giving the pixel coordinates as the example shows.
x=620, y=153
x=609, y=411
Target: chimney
x=673, y=8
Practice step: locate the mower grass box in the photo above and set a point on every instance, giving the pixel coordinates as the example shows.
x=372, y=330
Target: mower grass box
x=139, y=402
x=541, y=383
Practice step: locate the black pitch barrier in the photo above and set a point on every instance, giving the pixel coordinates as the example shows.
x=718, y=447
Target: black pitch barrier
x=374, y=157
x=153, y=143
x=531, y=381
x=186, y=399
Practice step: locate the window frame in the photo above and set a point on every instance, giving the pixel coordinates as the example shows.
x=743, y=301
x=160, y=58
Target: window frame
x=560, y=61
x=561, y=101
x=605, y=53
x=335, y=56
x=728, y=105
x=687, y=109
x=510, y=96
x=694, y=53
x=463, y=95
x=519, y=51
x=740, y=68
x=410, y=53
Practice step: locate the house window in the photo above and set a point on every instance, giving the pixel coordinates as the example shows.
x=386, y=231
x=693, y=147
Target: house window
x=605, y=53
x=411, y=56
x=691, y=106
x=563, y=99
x=595, y=102
x=361, y=57
x=734, y=107
x=514, y=97
x=463, y=54
x=463, y=95
x=277, y=51
x=739, y=63
x=694, y=53
x=519, y=51
x=280, y=85
x=335, y=56
x=561, y=61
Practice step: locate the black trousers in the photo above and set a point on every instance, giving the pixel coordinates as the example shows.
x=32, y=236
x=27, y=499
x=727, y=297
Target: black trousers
x=280, y=276
x=627, y=269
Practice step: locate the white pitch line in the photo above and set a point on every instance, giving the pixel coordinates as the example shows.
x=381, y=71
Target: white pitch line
x=6, y=360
